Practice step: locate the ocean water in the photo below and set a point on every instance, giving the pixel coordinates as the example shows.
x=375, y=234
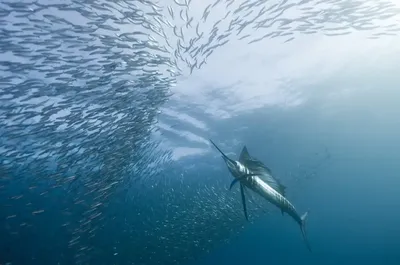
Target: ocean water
x=107, y=108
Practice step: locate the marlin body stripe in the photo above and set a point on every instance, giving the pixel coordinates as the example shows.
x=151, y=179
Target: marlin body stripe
x=248, y=171
x=257, y=185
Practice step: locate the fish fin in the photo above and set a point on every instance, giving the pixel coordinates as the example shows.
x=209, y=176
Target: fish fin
x=245, y=158
x=244, y=155
x=282, y=189
x=273, y=183
x=233, y=183
x=282, y=212
x=244, y=202
x=256, y=165
x=303, y=229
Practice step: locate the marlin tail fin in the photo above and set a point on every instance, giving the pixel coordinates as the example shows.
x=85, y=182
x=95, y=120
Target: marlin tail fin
x=303, y=229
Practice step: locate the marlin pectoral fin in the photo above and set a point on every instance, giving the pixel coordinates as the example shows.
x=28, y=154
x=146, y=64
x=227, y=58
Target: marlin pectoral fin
x=244, y=202
x=233, y=183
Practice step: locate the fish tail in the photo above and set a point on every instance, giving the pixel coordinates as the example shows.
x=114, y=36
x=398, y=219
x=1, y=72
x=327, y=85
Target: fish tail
x=303, y=229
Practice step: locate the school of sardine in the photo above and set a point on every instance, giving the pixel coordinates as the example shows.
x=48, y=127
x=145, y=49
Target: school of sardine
x=81, y=85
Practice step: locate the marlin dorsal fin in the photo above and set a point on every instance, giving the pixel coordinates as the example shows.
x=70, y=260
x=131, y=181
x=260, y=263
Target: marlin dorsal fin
x=257, y=165
x=275, y=184
x=259, y=168
x=244, y=155
x=252, y=162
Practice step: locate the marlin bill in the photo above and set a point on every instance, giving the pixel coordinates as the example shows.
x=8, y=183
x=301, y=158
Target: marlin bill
x=254, y=175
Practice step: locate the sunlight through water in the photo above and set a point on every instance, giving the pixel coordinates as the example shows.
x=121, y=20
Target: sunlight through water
x=106, y=108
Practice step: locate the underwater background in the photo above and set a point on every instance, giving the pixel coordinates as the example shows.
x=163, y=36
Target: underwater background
x=107, y=108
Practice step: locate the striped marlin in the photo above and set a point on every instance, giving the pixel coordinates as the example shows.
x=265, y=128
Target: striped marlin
x=248, y=172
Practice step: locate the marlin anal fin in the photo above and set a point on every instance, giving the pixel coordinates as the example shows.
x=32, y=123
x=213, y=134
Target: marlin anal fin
x=244, y=202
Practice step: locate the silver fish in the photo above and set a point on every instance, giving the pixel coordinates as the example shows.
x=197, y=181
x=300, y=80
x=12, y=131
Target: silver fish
x=242, y=172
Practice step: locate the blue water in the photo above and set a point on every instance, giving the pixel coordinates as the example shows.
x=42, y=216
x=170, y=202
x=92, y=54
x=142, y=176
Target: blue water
x=107, y=108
